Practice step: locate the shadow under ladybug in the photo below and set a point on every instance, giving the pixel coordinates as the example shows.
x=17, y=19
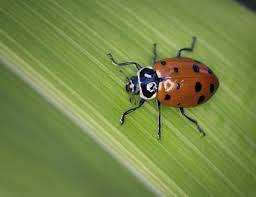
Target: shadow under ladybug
x=180, y=82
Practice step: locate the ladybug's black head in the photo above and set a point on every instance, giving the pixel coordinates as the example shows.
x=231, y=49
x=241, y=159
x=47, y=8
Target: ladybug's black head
x=132, y=85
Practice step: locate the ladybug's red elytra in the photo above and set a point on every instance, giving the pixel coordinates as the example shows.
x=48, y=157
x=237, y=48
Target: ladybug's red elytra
x=180, y=82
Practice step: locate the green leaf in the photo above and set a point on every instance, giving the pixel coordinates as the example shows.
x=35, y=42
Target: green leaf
x=61, y=47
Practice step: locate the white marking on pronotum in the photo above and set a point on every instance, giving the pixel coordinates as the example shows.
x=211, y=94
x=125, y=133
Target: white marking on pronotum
x=147, y=75
x=151, y=87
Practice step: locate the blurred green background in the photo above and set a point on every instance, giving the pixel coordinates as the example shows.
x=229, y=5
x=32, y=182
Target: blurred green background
x=59, y=48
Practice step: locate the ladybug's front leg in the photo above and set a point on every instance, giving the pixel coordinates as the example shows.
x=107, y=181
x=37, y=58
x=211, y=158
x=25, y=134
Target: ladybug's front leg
x=131, y=110
x=154, y=54
x=123, y=63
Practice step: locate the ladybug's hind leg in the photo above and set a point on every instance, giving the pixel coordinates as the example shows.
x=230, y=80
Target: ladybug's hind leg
x=123, y=63
x=122, y=119
x=187, y=49
x=154, y=54
x=192, y=120
x=159, y=119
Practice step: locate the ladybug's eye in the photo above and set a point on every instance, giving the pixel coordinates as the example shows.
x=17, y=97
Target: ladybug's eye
x=127, y=87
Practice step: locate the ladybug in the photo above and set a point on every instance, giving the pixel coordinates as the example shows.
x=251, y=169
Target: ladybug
x=179, y=82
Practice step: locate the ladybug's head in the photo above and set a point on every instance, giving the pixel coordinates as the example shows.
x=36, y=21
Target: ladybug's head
x=132, y=85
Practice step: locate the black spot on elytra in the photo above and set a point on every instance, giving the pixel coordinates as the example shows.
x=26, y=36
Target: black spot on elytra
x=201, y=99
x=179, y=104
x=167, y=97
x=211, y=88
x=196, y=68
x=163, y=63
x=209, y=70
x=176, y=69
x=198, y=86
x=177, y=86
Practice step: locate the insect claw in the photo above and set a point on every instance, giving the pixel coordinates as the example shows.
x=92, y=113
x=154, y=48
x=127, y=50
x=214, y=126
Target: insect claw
x=201, y=131
x=111, y=58
x=122, y=120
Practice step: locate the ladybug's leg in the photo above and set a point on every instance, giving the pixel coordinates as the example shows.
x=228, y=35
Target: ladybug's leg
x=131, y=110
x=159, y=119
x=187, y=49
x=154, y=53
x=192, y=120
x=123, y=63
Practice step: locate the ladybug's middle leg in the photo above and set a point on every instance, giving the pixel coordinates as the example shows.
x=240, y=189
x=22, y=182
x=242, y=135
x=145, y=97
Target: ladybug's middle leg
x=131, y=110
x=187, y=49
x=159, y=119
x=123, y=63
x=192, y=120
